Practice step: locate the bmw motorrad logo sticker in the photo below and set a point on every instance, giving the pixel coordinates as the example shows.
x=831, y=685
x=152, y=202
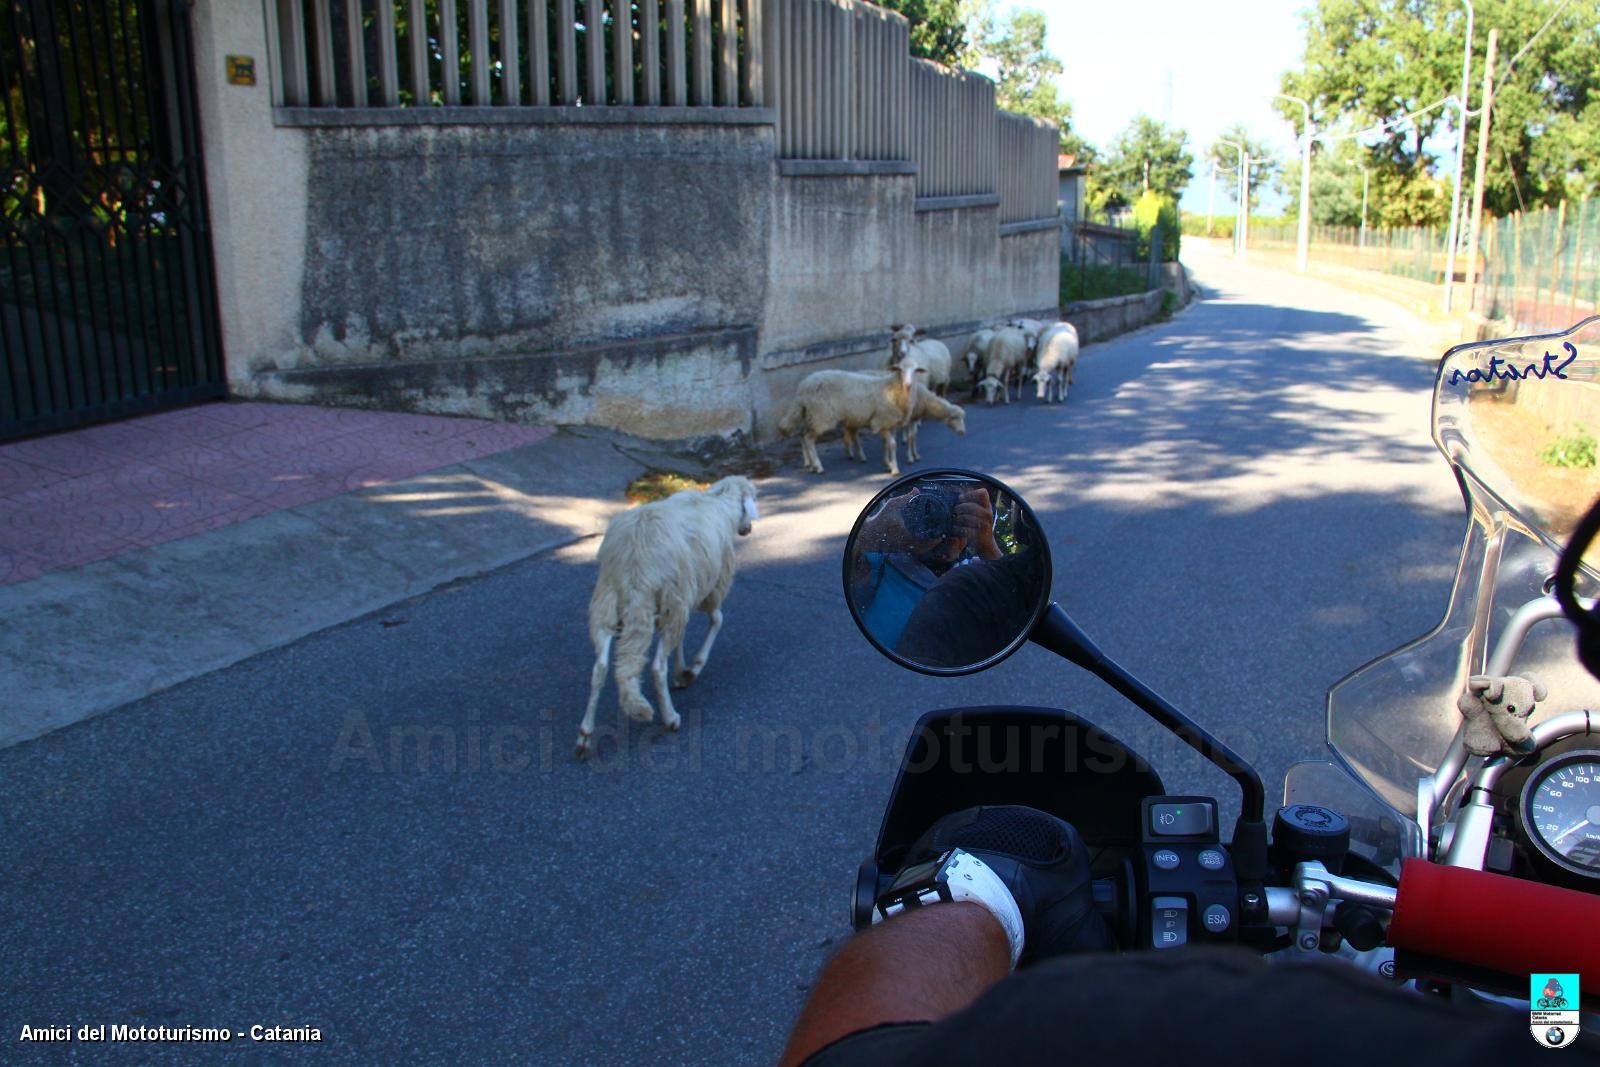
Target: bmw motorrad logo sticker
x=1553, y=1009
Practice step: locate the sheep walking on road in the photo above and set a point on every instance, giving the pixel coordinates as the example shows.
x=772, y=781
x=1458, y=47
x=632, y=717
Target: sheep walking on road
x=879, y=401
x=1058, y=359
x=1003, y=362
x=658, y=563
x=907, y=342
x=926, y=405
x=972, y=354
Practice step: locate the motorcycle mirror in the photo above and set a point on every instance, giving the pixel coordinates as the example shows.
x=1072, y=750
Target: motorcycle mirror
x=947, y=572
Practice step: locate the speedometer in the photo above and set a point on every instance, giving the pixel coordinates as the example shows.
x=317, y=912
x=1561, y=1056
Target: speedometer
x=1561, y=810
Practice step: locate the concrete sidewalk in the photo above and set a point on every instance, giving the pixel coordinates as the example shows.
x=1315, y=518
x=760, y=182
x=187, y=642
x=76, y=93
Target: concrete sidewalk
x=128, y=573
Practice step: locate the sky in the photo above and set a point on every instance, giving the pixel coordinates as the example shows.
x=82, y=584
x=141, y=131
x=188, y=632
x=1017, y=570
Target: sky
x=1199, y=66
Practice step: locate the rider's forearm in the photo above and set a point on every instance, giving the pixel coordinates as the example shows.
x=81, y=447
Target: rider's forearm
x=918, y=967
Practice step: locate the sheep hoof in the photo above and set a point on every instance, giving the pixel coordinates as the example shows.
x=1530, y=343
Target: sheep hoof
x=671, y=725
x=684, y=679
x=585, y=746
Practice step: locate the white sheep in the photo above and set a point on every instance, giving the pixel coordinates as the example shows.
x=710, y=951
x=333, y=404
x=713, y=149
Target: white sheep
x=974, y=351
x=1058, y=359
x=879, y=401
x=907, y=342
x=926, y=405
x=1032, y=329
x=1004, y=360
x=658, y=563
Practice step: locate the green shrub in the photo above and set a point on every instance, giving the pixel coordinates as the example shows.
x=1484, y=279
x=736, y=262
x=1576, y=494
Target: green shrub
x=1154, y=210
x=1577, y=449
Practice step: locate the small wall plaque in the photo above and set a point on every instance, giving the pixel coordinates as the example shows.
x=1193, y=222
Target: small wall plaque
x=241, y=70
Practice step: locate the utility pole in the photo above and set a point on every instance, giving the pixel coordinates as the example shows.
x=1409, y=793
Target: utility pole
x=1244, y=204
x=1303, y=245
x=1363, y=207
x=1461, y=146
x=1478, y=166
x=1243, y=210
x=1211, y=195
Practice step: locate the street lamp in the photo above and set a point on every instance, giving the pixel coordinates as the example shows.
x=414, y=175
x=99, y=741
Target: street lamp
x=1211, y=195
x=1242, y=214
x=1461, y=144
x=1303, y=245
x=1363, y=206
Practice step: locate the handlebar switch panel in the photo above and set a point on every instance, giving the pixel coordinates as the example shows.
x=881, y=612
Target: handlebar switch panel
x=1185, y=876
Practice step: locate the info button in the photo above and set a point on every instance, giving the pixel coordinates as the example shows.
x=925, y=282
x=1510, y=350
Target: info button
x=1180, y=820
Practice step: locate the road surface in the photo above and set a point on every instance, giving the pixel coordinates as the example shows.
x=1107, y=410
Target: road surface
x=1243, y=504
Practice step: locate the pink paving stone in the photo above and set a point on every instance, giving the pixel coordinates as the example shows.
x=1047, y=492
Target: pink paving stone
x=17, y=476
x=78, y=497
x=20, y=567
x=63, y=453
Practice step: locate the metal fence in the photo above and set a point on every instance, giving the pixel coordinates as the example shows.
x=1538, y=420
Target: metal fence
x=414, y=53
x=1536, y=270
x=1541, y=269
x=107, y=293
x=953, y=131
x=1029, y=187
x=840, y=80
x=1417, y=252
x=838, y=74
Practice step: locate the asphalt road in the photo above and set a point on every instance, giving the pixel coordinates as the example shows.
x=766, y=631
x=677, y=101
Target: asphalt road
x=1243, y=505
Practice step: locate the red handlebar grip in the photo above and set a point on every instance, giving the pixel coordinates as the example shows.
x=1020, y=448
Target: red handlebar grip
x=1492, y=921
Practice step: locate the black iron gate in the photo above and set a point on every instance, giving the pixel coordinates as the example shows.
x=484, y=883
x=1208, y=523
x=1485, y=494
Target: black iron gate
x=107, y=298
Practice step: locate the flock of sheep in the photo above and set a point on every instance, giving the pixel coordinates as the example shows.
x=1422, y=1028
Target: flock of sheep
x=660, y=562
x=915, y=381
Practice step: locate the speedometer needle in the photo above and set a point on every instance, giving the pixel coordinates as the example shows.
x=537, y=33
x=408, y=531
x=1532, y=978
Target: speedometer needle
x=1569, y=830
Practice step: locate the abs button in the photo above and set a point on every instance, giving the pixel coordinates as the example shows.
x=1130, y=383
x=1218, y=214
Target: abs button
x=1212, y=860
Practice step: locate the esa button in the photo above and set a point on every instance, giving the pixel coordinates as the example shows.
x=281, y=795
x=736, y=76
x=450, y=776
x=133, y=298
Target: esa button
x=1217, y=918
x=1166, y=859
x=1212, y=860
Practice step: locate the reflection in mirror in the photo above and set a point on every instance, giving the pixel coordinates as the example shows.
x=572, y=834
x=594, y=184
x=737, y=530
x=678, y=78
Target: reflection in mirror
x=947, y=571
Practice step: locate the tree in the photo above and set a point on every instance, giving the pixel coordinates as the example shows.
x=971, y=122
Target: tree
x=1025, y=72
x=939, y=28
x=1372, y=61
x=1147, y=156
x=1264, y=167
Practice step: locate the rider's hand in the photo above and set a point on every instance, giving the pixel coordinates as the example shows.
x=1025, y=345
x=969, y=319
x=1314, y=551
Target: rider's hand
x=972, y=520
x=1042, y=861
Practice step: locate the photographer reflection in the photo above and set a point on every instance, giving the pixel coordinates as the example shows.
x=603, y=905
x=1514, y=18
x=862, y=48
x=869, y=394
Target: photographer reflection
x=939, y=537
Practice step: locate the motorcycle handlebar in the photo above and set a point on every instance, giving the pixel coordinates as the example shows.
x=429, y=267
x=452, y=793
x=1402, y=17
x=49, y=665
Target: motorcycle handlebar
x=1493, y=921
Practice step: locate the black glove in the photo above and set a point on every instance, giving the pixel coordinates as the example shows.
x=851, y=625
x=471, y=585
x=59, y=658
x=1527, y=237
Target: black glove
x=1042, y=860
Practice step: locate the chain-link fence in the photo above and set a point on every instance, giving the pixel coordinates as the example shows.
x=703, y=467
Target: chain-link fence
x=1536, y=271
x=1417, y=252
x=1540, y=270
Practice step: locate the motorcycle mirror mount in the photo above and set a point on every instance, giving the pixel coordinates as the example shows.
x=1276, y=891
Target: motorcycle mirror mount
x=1057, y=632
x=947, y=572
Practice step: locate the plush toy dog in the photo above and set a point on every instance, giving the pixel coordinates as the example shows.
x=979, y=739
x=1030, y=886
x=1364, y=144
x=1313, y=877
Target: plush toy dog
x=1497, y=710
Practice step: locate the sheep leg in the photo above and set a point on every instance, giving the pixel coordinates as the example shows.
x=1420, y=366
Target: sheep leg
x=685, y=677
x=597, y=681
x=808, y=445
x=890, y=460
x=911, y=441
x=669, y=714
x=852, y=445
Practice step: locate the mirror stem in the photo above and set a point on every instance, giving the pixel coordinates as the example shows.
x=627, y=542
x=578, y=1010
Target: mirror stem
x=1058, y=633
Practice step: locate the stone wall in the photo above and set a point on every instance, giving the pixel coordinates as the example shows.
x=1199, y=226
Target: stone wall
x=657, y=272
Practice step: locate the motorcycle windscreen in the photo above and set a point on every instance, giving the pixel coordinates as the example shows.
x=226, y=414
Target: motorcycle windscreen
x=1518, y=421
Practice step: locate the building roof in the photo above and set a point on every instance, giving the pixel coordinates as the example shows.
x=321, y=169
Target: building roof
x=1068, y=165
